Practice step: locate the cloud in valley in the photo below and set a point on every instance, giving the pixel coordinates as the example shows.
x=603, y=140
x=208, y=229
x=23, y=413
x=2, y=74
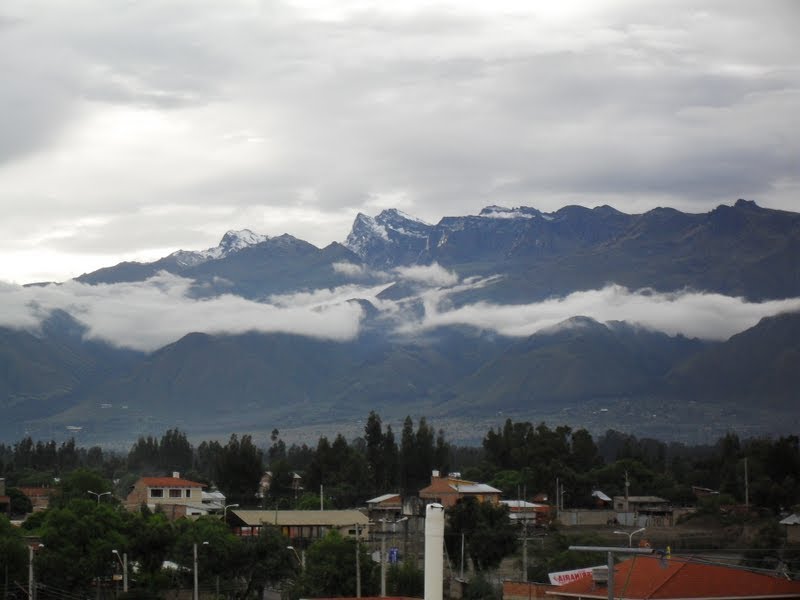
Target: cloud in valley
x=706, y=316
x=433, y=274
x=148, y=315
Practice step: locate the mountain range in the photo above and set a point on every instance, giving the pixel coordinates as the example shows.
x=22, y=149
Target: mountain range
x=444, y=330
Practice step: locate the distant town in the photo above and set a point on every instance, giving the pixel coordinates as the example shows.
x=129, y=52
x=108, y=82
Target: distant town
x=532, y=512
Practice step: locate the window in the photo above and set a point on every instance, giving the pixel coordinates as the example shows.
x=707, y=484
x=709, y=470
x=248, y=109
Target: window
x=188, y=493
x=175, y=493
x=156, y=493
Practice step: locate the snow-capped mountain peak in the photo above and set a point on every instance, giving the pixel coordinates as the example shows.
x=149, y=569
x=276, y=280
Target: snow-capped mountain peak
x=231, y=242
x=387, y=235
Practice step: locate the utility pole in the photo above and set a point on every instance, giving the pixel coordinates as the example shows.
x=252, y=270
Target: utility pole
x=358, y=565
x=525, y=550
x=611, y=550
x=746, y=487
x=383, y=562
x=558, y=502
x=196, y=594
x=525, y=533
x=462, y=556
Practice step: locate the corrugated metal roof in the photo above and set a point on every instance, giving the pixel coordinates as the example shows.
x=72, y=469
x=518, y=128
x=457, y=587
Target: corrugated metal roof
x=476, y=488
x=791, y=520
x=383, y=498
x=641, y=499
x=328, y=518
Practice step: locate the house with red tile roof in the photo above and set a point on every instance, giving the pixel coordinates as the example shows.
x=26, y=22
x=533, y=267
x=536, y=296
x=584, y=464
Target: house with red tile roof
x=174, y=496
x=449, y=489
x=654, y=578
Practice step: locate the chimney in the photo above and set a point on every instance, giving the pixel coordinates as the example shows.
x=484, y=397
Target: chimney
x=435, y=473
x=176, y=475
x=434, y=551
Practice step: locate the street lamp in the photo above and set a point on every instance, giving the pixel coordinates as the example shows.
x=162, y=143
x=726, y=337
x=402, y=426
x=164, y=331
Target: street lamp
x=98, y=495
x=225, y=510
x=300, y=561
x=124, y=564
x=630, y=535
x=196, y=595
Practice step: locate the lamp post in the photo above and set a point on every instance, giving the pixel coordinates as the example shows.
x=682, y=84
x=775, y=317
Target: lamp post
x=196, y=595
x=98, y=495
x=225, y=511
x=124, y=564
x=300, y=561
x=630, y=535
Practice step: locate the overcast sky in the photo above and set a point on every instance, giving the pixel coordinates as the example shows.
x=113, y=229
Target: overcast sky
x=130, y=129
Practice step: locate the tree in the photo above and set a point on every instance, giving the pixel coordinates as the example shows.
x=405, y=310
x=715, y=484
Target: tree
x=239, y=470
x=277, y=450
x=264, y=561
x=373, y=436
x=78, y=484
x=13, y=555
x=78, y=539
x=175, y=453
x=151, y=538
x=331, y=569
x=487, y=530
x=20, y=504
x=280, y=486
x=406, y=579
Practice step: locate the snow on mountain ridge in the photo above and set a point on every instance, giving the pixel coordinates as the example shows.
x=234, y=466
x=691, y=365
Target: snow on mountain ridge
x=231, y=242
x=502, y=212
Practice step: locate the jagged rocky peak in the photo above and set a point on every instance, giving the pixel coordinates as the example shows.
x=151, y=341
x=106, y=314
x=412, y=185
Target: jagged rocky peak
x=389, y=227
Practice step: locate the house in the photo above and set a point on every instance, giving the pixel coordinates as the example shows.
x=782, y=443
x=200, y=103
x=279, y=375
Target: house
x=174, y=496
x=653, y=578
x=300, y=525
x=643, y=511
x=521, y=511
x=39, y=497
x=387, y=507
x=451, y=488
x=792, y=525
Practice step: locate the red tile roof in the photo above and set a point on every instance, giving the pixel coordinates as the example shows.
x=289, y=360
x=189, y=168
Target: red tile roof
x=647, y=577
x=169, y=482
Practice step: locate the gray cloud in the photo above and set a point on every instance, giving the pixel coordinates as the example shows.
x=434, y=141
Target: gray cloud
x=148, y=315
x=701, y=315
x=292, y=116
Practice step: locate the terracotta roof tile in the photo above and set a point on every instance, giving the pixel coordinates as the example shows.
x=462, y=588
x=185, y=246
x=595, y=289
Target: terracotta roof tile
x=169, y=482
x=647, y=577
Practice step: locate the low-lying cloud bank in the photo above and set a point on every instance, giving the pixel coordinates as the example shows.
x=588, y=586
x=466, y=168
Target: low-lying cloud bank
x=148, y=315
x=693, y=314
